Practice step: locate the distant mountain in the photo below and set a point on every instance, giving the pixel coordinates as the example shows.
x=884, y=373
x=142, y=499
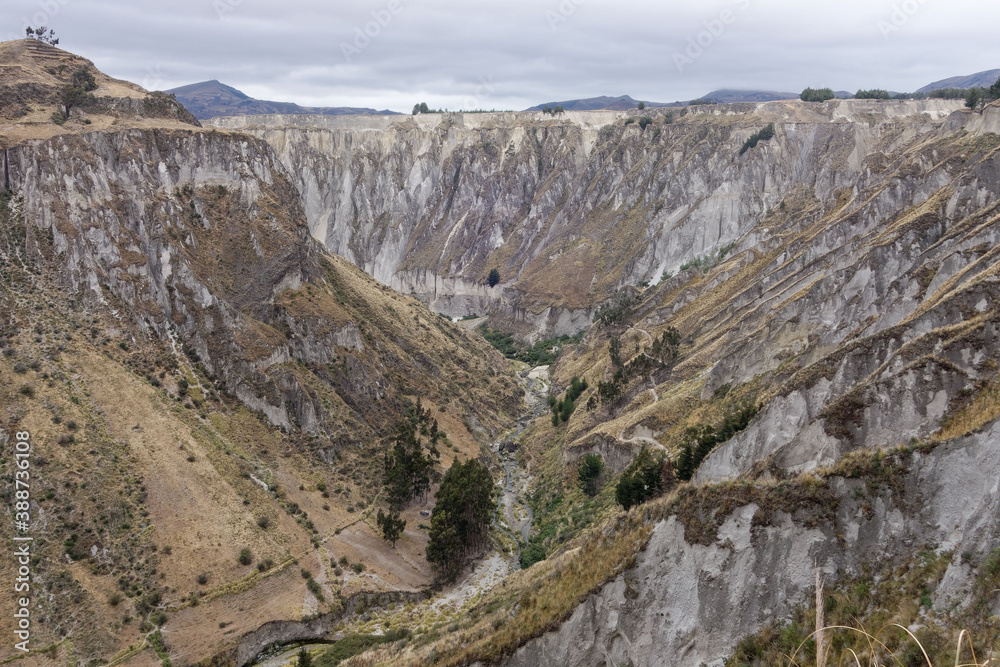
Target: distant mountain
x=728, y=95
x=979, y=79
x=212, y=98
x=620, y=103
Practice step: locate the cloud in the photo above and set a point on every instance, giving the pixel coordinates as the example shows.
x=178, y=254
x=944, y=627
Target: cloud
x=516, y=53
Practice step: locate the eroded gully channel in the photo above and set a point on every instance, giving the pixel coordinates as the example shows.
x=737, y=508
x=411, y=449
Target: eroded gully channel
x=511, y=519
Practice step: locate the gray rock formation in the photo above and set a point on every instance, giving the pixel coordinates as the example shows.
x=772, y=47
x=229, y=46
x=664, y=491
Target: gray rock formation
x=569, y=209
x=688, y=603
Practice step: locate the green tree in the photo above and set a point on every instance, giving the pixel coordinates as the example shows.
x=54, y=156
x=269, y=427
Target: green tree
x=589, y=473
x=973, y=98
x=391, y=526
x=463, y=508
x=408, y=465
x=817, y=95
x=556, y=110
x=641, y=106
x=649, y=475
x=873, y=94
x=994, y=90
x=43, y=34
x=493, y=278
x=83, y=79
x=304, y=658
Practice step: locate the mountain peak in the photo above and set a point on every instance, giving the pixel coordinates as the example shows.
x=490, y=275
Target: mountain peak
x=208, y=99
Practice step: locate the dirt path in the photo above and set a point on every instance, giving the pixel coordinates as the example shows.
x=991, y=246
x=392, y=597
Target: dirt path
x=644, y=437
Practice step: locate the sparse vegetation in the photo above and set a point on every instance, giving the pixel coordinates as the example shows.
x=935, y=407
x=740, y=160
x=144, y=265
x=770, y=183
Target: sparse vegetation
x=43, y=34
x=699, y=441
x=763, y=134
x=542, y=353
x=649, y=475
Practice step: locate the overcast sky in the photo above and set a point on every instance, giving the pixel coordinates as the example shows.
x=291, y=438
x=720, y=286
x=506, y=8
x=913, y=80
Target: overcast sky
x=517, y=53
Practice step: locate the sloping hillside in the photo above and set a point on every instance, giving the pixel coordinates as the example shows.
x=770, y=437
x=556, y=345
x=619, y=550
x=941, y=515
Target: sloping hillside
x=199, y=378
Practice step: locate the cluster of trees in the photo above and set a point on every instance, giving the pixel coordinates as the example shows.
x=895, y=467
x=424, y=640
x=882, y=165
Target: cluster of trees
x=617, y=311
x=423, y=108
x=563, y=408
x=873, y=94
x=763, y=134
x=977, y=98
x=408, y=466
x=553, y=111
x=541, y=353
x=648, y=476
x=464, y=506
x=43, y=34
x=699, y=441
x=701, y=100
x=652, y=473
x=817, y=95
x=589, y=473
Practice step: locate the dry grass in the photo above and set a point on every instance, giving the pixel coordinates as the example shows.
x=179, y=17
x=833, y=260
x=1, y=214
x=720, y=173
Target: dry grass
x=982, y=409
x=879, y=653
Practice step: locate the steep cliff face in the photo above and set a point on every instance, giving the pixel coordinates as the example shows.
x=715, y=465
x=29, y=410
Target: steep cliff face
x=200, y=236
x=572, y=208
x=199, y=376
x=693, y=594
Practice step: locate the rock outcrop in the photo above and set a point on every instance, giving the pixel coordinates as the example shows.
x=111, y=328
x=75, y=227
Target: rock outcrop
x=572, y=208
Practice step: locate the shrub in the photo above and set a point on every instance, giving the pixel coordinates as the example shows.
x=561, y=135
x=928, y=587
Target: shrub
x=358, y=567
x=245, y=557
x=763, y=134
x=202, y=578
x=650, y=475
x=264, y=521
x=644, y=121
x=21, y=367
